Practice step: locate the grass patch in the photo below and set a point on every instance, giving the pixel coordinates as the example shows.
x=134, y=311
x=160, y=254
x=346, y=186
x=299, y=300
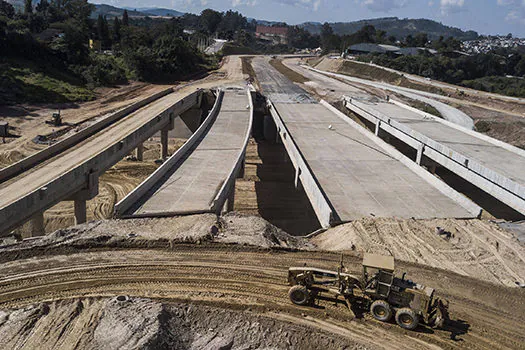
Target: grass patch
x=499, y=85
x=364, y=71
x=247, y=67
x=287, y=72
x=425, y=107
x=25, y=82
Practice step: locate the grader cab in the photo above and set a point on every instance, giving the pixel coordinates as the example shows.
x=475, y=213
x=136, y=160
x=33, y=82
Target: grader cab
x=378, y=291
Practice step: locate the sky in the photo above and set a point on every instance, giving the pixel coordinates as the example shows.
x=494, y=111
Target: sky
x=483, y=16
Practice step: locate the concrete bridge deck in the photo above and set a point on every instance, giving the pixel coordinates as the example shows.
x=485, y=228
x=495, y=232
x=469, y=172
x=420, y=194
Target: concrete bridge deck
x=73, y=174
x=357, y=175
x=202, y=177
x=492, y=165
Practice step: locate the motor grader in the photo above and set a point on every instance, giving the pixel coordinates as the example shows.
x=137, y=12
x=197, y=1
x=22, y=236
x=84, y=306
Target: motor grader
x=377, y=291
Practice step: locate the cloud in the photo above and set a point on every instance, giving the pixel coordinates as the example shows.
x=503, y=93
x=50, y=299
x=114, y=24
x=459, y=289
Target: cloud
x=516, y=10
x=308, y=4
x=383, y=5
x=236, y=3
x=452, y=6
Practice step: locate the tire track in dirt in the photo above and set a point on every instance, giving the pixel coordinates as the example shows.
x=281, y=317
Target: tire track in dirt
x=239, y=277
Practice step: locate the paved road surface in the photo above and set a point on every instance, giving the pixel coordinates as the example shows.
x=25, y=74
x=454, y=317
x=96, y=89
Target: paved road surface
x=358, y=178
x=192, y=184
x=32, y=180
x=449, y=113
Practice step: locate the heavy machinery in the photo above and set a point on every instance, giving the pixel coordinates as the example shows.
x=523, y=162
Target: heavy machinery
x=56, y=119
x=378, y=291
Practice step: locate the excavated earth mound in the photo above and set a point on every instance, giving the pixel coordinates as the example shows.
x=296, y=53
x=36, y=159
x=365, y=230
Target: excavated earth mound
x=139, y=323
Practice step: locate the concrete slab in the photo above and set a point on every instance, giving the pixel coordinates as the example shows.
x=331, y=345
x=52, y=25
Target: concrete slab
x=488, y=154
x=357, y=177
x=194, y=181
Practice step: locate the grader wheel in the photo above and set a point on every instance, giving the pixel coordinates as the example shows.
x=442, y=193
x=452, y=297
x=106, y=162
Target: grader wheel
x=406, y=318
x=299, y=295
x=381, y=310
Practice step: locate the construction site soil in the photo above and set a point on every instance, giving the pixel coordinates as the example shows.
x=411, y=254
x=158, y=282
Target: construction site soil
x=198, y=282
x=195, y=283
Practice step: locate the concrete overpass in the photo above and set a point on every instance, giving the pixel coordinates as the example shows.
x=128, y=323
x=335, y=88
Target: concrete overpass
x=347, y=172
x=200, y=176
x=73, y=173
x=494, y=166
x=491, y=165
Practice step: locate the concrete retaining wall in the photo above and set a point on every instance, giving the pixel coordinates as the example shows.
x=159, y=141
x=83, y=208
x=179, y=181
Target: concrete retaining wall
x=78, y=177
x=320, y=203
x=135, y=196
x=31, y=161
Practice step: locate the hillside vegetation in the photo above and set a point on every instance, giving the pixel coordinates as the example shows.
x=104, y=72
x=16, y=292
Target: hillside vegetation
x=400, y=28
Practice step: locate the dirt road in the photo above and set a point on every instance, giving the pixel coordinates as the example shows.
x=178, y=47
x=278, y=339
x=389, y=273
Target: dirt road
x=233, y=277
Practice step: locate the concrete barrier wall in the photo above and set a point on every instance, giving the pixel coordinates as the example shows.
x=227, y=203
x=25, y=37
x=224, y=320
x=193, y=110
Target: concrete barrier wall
x=470, y=132
x=320, y=203
x=29, y=162
x=442, y=187
x=229, y=183
x=141, y=190
x=76, y=179
x=499, y=186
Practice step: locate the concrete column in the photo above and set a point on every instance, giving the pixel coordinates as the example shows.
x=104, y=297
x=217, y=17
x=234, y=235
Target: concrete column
x=37, y=225
x=420, y=150
x=140, y=152
x=164, y=143
x=432, y=168
x=297, y=174
x=231, y=200
x=378, y=127
x=240, y=175
x=80, y=211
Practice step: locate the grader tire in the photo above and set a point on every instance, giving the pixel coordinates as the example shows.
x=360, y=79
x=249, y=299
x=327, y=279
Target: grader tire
x=406, y=318
x=381, y=310
x=299, y=295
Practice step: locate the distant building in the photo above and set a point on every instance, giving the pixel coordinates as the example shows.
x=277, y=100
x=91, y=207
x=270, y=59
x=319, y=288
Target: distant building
x=279, y=35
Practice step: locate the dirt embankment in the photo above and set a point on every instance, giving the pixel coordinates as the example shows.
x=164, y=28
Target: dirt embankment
x=229, y=278
x=474, y=248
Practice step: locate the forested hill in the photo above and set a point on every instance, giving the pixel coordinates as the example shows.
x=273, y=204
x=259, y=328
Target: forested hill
x=400, y=28
x=112, y=11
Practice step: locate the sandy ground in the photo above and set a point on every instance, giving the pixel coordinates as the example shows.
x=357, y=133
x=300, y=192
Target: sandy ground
x=477, y=248
x=56, y=293
x=29, y=120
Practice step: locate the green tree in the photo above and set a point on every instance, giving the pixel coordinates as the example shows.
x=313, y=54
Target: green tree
x=103, y=31
x=125, y=19
x=6, y=9
x=116, y=30
x=28, y=7
x=209, y=20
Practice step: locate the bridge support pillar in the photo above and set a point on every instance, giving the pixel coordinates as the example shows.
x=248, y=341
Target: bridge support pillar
x=37, y=225
x=231, y=200
x=164, y=143
x=80, y=211
x=420, y=150
x=378, y=127
x=140, y=152
x=80, y=198
x=240, y=175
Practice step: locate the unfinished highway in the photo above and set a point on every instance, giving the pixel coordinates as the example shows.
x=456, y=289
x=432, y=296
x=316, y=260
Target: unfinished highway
x=200, y=177
x=73, y=174
x=491, y=165
x=347, y=174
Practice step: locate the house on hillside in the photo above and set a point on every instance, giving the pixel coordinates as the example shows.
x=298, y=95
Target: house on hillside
x=278, y=35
